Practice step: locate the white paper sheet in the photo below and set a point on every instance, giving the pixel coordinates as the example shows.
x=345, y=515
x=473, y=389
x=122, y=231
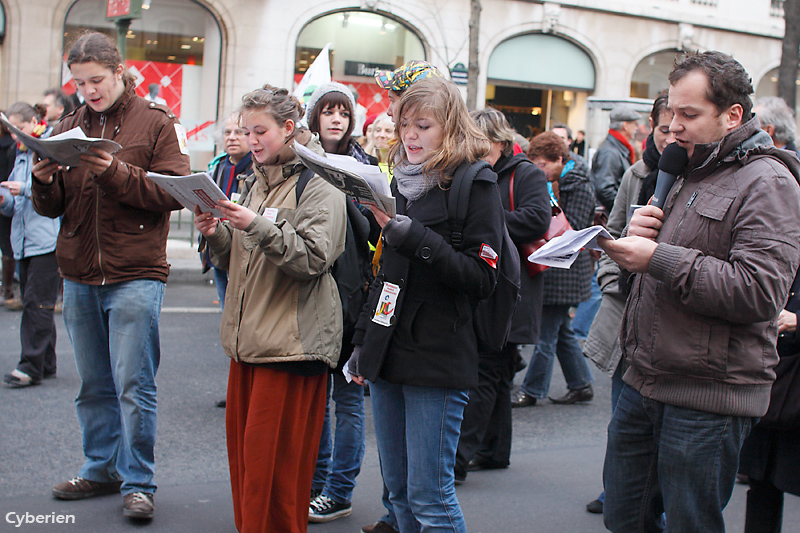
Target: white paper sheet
x=562, y=251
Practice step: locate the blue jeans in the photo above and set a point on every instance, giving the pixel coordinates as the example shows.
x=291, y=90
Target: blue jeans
x=114, y=333
x=339, y=458
x=417, y=431
x=221, y=281
x=584, y=314
x=556, y=339
x=662, y=457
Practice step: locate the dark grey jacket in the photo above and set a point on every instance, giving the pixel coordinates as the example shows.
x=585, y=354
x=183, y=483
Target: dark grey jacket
x=610, y=162
x=699, y=328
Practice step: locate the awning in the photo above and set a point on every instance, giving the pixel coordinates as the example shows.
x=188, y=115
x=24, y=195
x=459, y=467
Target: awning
x=542, y=60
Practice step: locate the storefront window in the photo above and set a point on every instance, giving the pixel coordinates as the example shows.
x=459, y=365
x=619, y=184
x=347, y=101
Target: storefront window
x=361, y=43
x=174, y=52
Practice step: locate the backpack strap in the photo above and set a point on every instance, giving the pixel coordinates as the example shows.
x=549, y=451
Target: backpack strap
x=302, y=181
x=458, y=202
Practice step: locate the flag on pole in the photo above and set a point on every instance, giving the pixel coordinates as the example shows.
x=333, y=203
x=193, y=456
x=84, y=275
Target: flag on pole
x=317, y=74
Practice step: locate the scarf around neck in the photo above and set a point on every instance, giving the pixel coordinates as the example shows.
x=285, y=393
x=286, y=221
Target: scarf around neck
x=412, y=182
x=621, y=138
x=650, y=158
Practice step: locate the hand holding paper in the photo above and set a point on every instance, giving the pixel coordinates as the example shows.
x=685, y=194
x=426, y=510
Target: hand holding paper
x=561, y=251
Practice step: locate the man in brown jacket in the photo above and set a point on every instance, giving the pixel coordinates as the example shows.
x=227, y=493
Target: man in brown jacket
x=112, y=255
x=699, y=329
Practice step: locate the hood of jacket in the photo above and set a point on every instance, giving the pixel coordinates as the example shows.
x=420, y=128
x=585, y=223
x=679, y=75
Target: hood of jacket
x=739, y=146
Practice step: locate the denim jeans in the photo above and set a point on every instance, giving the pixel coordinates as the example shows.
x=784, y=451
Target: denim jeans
x=114, y=333
x=662, y=457
x=417, y=431
x=584, y=314
x=339, y=458
x=221, y=281
x=556, y=339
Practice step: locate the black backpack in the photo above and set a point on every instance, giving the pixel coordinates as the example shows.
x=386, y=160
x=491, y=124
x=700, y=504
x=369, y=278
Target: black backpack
x=351, y=270
x=492, y=317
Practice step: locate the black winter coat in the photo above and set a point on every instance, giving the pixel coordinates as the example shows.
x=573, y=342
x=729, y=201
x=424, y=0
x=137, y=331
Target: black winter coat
x=771, y=454
x=528, y=222
x=431, y=341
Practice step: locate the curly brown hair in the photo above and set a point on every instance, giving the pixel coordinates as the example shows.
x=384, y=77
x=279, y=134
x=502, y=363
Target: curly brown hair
x=550, y=146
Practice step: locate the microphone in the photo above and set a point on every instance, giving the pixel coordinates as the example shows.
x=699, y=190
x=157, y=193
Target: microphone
x=670, y=165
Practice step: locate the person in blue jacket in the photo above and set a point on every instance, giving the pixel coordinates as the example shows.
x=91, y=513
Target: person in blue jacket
x=33, y=239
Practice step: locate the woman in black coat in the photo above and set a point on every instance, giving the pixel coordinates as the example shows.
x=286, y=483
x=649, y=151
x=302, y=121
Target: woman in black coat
x=485, y=440
x=770, y=456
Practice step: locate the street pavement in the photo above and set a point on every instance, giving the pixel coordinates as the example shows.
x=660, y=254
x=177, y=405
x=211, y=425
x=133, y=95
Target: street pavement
x=556, y=462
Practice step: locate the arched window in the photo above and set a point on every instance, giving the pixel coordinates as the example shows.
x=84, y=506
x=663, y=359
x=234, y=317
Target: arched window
x=538, y=93
x=361, y=43
x=174, y=52
x=650, y=76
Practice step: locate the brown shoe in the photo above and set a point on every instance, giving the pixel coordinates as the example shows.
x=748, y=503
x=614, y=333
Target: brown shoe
x=14, y=304
x=573, y=396
x=139, y=505
x=379, y=527
x=79, y=489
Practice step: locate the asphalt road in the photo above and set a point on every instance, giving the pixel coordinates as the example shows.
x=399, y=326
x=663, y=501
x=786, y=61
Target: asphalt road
x=556, y=463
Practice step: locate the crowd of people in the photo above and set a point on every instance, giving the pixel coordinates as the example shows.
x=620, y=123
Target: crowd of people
x=690, y=310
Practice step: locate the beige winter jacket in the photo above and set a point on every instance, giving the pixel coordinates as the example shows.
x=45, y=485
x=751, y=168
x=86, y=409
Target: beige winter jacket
x=282, y=303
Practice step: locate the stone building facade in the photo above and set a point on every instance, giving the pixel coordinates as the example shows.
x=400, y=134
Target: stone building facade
x=540, y=62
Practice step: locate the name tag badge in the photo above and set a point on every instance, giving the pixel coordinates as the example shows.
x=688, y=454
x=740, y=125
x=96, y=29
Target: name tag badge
x=235, y=197
x=271, y=214
x=387, y=302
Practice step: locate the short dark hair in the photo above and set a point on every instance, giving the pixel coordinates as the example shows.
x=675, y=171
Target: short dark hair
x=62, y=99
x=550, y=146
x=728, y=82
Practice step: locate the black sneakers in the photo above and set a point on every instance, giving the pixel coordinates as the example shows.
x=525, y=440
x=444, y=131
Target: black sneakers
x=323, y=509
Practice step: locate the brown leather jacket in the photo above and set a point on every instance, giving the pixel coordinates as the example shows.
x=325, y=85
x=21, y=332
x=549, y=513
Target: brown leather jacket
x=700, y=328
x=115, y=225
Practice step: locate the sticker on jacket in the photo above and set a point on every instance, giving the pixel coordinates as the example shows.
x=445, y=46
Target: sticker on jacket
x=387, y=302
x=180, y=131
x=489, y=255
x=271, y=214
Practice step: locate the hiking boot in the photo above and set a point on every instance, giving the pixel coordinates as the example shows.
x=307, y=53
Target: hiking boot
x=18, y=379
x=139, y=505
x=78, y=488
x=323, y=509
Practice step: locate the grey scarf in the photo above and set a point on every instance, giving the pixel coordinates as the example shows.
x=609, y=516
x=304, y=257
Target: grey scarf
x=412, y=182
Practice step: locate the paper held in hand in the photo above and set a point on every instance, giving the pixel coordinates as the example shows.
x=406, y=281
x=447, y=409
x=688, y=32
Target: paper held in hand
x=366, y=183
x=194, y=189
x=65, y=148
x=562, y=251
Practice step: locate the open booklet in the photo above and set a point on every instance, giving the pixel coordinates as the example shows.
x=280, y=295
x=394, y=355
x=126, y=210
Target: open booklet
x=194, y=189
x=561, y=251
x=366, y=183
x=65, y=148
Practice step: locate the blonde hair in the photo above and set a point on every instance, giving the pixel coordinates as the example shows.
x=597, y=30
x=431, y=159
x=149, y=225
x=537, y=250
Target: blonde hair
x=462, y=140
